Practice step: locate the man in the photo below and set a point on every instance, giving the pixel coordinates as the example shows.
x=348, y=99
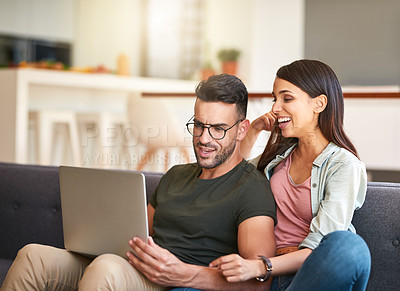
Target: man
x=202, y=211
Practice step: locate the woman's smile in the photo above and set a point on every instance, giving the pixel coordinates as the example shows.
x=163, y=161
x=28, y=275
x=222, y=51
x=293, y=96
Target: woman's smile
x=283, y=121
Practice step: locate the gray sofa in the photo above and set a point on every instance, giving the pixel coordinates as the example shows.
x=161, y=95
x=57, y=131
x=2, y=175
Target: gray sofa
x=30, y=212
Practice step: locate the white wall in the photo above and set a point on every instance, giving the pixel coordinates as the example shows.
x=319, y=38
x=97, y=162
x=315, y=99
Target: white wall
x=105, y=29
x=38, y=18
x=227, y=25
x=277, y=39
x=269, y=33
x=164, y=60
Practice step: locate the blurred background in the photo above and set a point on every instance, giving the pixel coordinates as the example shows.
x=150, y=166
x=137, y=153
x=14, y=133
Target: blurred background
x=188, y=39
x=178, y=38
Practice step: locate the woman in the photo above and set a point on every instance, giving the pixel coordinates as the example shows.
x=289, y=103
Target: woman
x=317, y=180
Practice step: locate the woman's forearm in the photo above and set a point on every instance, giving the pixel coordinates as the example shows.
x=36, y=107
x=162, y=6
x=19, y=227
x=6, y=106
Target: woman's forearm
x=248, y=142
x=289, y=263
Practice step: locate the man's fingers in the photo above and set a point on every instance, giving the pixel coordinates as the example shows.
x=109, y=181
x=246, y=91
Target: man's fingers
x=144, y=267
x=142, y=250
x=151, y=253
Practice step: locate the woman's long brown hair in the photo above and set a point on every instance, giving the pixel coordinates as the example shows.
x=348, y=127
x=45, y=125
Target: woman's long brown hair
x=314, y=78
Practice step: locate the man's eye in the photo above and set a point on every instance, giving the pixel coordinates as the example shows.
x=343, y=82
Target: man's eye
x=197, y=125
x=218, y=128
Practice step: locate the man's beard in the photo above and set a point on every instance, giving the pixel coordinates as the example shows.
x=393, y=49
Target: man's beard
x=221, y=156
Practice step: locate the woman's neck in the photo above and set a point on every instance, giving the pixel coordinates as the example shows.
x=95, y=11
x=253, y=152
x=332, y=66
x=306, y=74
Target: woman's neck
x=312, y=145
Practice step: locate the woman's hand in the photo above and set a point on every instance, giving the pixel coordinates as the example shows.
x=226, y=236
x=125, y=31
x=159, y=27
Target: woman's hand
x=264, y=122
x=236, y=269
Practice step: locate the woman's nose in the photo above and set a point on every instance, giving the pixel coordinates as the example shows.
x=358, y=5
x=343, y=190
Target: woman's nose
x=276, y=107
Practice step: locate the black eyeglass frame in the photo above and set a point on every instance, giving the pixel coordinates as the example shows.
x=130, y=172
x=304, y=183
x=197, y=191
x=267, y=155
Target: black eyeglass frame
x=208, y=126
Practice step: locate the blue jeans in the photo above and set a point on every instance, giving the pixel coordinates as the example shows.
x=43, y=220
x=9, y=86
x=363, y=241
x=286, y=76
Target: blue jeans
x=342, y=261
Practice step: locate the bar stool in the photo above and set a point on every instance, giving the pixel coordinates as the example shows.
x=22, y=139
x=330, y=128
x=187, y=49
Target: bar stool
x=158, y=131
x=102, y=138
x=47, y=126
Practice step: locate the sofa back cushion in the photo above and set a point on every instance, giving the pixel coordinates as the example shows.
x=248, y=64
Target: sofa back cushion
x=29, y=207
x=378, y=222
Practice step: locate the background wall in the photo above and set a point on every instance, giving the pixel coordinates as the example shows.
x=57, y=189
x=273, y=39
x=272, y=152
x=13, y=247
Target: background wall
x=259, y=28
x=38, y=18
x=359, y=39
x=104, y=29
x=277, y=39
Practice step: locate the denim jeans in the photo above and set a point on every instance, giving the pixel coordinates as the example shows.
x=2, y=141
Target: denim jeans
x=342, y=261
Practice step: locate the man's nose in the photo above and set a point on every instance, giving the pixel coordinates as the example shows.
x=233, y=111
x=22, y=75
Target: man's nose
x=205, y=137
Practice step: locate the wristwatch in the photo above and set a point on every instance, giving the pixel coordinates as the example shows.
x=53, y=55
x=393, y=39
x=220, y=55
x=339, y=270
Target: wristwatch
x=268, y=268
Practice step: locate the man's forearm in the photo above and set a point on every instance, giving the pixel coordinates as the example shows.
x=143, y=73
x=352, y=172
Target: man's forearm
x=206, y=278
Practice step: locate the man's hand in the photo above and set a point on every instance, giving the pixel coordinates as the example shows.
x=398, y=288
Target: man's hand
x=158, y=264
x=236, y=269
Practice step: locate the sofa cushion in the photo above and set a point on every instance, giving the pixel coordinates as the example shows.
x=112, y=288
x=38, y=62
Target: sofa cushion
x=152, y=179
x=30, y=207
x=5, y=264
x=378, y=222
x=30, y=204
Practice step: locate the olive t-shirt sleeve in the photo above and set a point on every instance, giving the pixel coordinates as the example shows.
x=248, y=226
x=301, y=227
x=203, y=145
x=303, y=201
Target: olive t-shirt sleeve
x=256, y=199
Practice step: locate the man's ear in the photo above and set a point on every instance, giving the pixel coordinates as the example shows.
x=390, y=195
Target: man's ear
x=243, y=127
x=320, y=103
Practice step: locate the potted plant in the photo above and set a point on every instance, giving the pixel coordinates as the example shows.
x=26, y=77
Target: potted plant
x=207, y=71
x=229, y=60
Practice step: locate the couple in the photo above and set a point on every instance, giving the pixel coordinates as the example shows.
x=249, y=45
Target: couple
x=215, y=225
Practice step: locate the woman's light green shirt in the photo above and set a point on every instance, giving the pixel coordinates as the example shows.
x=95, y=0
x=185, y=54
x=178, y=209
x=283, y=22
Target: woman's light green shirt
x=338, y=188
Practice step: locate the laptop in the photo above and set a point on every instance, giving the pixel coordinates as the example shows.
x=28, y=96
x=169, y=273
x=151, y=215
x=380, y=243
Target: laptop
x=102, y=210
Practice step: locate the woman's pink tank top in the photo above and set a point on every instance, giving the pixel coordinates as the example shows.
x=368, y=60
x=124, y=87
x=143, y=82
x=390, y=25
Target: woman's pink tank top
x=293, y=201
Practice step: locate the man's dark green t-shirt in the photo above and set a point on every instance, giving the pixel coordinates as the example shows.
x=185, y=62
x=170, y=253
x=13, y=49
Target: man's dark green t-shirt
x=197, y=219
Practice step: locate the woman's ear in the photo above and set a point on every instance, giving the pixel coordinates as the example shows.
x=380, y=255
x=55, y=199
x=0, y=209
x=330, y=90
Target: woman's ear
x=320, y=103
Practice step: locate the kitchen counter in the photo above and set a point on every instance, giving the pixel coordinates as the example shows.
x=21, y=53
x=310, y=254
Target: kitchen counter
x=28, y=89
x=372, y=114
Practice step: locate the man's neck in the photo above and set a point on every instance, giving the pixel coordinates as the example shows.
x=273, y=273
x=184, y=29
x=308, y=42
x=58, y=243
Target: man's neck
x=222, y=169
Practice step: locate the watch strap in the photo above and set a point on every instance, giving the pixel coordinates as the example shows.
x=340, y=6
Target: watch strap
x=268, y=268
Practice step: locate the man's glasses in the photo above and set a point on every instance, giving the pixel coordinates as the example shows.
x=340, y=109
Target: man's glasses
x=216, y=131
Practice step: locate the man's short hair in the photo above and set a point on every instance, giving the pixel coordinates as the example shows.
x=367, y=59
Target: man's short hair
x=224, y=88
